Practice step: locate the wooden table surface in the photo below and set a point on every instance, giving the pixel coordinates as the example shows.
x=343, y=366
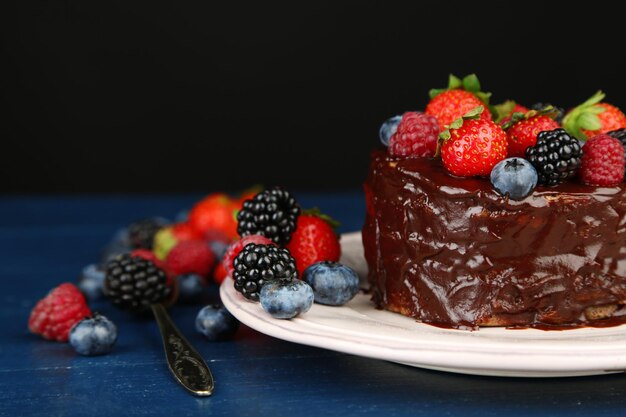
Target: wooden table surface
x=47, y=240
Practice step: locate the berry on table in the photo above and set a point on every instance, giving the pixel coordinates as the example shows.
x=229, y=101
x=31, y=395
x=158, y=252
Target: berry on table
x=257, y=264
x=141, y=233
x=416, y=136
x=388, y=128
x=216, y=323
x=286, y=298
x=134, y=283
x=271, y=213
x=168, y=237
x=190, y=257
x=333, y=283
x=602, y=161
x=215, y=212
x=54, y=315
x=94, y=335
x=190, y=286
x=314, y=240
x=461, y=96
x=91, y=281
x=472, y=146
x=593, y=117
x=555, y=156
x=515, y=178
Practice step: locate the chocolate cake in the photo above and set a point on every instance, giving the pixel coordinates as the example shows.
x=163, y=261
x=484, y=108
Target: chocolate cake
x=453, y=252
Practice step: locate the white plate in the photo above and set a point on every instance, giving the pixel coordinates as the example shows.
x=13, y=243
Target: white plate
x=360, y=329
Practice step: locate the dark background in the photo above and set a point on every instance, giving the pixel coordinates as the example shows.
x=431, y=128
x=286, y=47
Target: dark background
x=150, y=96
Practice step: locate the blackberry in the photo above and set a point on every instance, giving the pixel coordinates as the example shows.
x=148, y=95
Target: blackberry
x=271, y=213
x=257, y=264
x=555, y=156
x=134, y=283
x=619, y=134
x=141, y=233
x=560, y=112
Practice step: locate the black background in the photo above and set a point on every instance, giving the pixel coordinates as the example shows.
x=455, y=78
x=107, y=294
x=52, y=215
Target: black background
x=149, y=96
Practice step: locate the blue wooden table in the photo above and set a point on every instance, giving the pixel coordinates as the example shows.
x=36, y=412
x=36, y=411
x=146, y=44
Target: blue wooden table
x=47, y=240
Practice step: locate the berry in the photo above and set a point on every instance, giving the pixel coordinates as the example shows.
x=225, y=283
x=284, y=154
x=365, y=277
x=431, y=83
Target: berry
x=388, y=128
x=333, y=283
x=219, y=274
x=619, y=134
x=219, y=248
x=151, y=256
x=93, y=336
x=522, y=132
x=217, y=211
x=236, y=247
x=91, y=280
x=555, y=156
x=134, y=283
x=472, y=146
x=271, y=213
x=182, y=216
x=168, y=237
x=602, y=161
x=314, y=240
x=416, y=135
x=514, y=177
x=190, y=286
x=593, y=117
x=461, y=96
x=257, y=264
x=216, y=323
x=141, y=233
x=285, y=298
x=53, y=316
x=190, y=257
x=505, y=111
x=559, y=113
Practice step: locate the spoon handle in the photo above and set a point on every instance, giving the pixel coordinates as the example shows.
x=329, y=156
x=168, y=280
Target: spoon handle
x=184, y=361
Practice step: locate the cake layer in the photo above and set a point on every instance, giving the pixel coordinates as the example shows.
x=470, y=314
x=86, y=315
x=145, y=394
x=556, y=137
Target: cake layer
x=452, y=252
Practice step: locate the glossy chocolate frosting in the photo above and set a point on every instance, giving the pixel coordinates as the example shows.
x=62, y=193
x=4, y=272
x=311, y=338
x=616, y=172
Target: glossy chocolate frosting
x=452, y=252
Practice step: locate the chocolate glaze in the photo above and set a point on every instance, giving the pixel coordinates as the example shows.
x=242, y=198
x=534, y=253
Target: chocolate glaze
x=452, y=252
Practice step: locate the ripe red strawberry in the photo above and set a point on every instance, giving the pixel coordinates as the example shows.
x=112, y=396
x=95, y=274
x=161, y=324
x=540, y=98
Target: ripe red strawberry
x=185, y=231
x=522, y=129
x=593, y=117
x=217, y=211
x=219, y=274
x=190, y=257
x=472, y=146
x=234, y=249
x=461, y=96
x=53, y=316
x=314, y=240
x=416, y=135
x=602, y=161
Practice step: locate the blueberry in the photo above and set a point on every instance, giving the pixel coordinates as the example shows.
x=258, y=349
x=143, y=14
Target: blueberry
x=333, y=283
x=93, y=336
x=190, y=286
x=515, y=177
x=388, y=128
x=216, y=323
x=182, y=216
x=285, y=298
x=91, y=280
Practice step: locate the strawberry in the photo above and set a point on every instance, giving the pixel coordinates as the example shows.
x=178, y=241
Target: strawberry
x=314, y=240
x=522, y=129
x=472, y=146
x=217, y=211
x=593, y=117
x=461, y=96
x=166, y=238
x=504, y=111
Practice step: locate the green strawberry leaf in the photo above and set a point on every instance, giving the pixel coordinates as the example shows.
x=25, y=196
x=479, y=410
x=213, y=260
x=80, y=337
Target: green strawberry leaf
x=446, y=135
x=548, y=111
x=454, y=82
x=503, y=110
x=589, y=121
x=471, y=83
x=434, y=92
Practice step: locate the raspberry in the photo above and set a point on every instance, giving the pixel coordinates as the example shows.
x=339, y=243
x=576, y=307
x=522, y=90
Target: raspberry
x=53, y=316
x=416, y=135
x=190, y=257
x=603, y=161
x=234, y=249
